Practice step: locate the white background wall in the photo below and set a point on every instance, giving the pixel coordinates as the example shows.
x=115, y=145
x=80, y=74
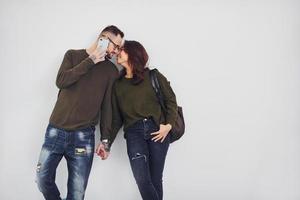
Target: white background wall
x=234, y=66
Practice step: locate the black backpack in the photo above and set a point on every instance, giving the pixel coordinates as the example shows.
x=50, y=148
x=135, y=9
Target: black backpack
x=178, y=130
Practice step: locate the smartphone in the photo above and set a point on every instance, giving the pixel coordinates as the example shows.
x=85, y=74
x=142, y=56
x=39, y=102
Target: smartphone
x=103, y=44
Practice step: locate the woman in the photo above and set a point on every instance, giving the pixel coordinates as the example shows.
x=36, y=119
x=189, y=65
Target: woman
x=136, y=106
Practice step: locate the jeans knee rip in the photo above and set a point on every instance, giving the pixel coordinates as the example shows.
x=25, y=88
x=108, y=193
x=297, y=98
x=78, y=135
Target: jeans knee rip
x=38, y=168
x=42, y=159
x=83, y=150
x=138, y=156
x=80, y=151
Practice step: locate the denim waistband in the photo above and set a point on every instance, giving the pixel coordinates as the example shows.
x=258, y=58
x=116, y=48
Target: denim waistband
x=142, y=122
x=80, y=129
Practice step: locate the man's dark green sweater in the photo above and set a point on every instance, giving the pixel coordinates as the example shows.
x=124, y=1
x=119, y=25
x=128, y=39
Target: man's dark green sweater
x=85, y=93
x=132, y=102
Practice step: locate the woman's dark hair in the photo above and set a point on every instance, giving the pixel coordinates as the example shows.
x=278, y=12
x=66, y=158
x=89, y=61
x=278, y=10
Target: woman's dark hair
x=137, y=59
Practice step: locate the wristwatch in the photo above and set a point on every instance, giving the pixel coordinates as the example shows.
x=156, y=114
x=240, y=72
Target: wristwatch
x=106, y=145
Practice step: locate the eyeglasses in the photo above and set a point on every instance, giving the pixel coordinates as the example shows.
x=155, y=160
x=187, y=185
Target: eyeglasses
x=116, y=47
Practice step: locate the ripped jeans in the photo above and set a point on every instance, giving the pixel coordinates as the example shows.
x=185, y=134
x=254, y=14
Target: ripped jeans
x=78, y=149
x=147, y=158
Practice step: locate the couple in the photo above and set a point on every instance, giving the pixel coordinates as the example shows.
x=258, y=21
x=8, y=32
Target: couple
x=92, y=90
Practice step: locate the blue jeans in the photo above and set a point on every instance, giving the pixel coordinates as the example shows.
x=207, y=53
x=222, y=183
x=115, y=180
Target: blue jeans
x=78, y=149
x=147, y=158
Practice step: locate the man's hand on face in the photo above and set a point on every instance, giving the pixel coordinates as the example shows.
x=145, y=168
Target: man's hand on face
x=113, y=48
x=115, y=42
x=98, y=55
x=100, y=151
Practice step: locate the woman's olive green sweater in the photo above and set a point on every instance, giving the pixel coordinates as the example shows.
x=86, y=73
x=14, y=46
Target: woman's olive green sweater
x=131, y=103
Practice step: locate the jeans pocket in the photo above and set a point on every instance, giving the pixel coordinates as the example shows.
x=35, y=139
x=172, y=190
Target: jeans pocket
x=152, y=128
x=50, y=137
x=92, y=129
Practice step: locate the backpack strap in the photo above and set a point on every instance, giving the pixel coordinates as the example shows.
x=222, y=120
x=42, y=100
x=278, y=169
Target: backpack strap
x=157, y=89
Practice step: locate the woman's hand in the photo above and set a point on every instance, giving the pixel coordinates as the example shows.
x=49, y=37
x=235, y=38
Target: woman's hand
x=100, y=151
x=162, y=133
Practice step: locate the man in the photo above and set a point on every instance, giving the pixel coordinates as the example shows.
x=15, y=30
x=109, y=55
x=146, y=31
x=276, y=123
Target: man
x=85, y=79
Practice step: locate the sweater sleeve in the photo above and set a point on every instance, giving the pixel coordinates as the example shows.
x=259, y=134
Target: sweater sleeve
x=169, y=99
x=117, y=119
x=106, y=108
x=69, y=74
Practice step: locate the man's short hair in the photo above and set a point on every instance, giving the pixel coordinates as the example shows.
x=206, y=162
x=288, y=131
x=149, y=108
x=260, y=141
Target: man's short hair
x=114, y=30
